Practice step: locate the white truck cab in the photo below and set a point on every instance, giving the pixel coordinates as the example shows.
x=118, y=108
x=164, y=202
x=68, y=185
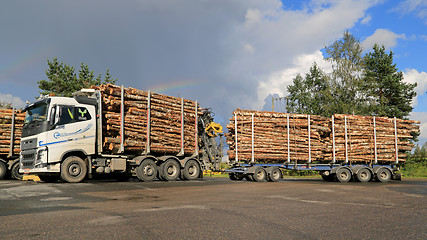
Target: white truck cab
x=54, y=128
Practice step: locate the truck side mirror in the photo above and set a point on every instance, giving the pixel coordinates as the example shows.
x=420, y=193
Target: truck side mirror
x=58, y=114
x=55, y=114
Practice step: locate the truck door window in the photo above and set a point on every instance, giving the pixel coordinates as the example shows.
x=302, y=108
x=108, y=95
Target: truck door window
x=82, y=114
x=67, y=115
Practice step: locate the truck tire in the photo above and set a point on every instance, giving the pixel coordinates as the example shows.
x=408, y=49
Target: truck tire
x=343, y=175
x=327, y=176
x=364, y=175
x=3, y=170
x=146, y=171
x=14, y=172
x=191, y=170
x=171, y=170
x=236, y=176
x=274, y=174
x=259, y=175
x=73, y=169
x=383, y=175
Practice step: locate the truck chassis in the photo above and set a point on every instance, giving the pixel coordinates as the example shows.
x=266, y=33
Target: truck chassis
x=329, y=172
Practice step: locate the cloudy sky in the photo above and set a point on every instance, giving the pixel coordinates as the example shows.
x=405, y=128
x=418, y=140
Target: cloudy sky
x=226, y=54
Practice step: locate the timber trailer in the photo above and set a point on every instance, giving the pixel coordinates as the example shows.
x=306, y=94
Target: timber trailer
x=9, y=162
x=342, y=171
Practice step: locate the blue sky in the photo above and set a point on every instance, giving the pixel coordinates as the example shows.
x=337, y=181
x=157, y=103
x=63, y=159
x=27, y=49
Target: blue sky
x=226, y=54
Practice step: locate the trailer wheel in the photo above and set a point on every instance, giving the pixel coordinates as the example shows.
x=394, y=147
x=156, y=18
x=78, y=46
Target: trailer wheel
x=3, y=170
x=14, y=172
x=236, y=176
x=274, y=174
x=146, y=171
x=191, y=170
x=383, y=175
x=171, y=170
x=327, y=176
x=73, y=169
x=343, y=175
x=364, y=175
x=259, y=175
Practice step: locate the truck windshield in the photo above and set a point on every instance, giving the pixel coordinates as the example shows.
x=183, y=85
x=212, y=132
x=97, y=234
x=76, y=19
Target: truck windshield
x=36, y=113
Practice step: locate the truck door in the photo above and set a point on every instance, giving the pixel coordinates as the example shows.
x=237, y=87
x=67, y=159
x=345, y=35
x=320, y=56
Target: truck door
x=85, y=128
x=74, y=131
x=60, y=138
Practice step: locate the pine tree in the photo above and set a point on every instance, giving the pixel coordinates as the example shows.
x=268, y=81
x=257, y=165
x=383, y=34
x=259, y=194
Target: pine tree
x=388, y=95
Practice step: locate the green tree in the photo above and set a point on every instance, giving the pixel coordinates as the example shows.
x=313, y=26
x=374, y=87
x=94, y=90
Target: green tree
x=311, y=94
x=63, y=80
x=345, y=55
x=387, y=94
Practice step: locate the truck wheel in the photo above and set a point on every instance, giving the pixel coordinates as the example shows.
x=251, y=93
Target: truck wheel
x=259, y=175
x=383, y=175
x=343, y=175
x=14, y=172
x=274, y=174
x=327, y=176
x=364, y=175
x=73, y=169
x=236, y=176
x=3, y=170
x=171, y=170
x=191, y=170
x=146, y=171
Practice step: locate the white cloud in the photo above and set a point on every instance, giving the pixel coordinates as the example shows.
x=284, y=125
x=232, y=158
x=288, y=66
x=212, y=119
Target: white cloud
x=367, y=19
x=419, y=7
x=382, y=37
x=276, y=82
x=413, y=76
x=16, y=102
x=286, y=42
x=422, y=117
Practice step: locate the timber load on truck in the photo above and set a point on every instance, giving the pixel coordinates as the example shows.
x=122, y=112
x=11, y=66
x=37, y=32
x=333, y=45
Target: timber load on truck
x=342, y=147
x=118, y=130
x=173, y=127
x=11, y=122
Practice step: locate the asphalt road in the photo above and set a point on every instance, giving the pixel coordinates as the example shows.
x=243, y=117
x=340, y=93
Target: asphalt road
x=213, y=208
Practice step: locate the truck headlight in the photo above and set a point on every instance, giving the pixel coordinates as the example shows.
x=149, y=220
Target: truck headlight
x=41, y=159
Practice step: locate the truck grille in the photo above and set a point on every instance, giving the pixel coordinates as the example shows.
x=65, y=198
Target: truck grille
x=28, y=158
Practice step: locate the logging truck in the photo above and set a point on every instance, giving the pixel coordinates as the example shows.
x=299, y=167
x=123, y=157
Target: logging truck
x=343, y=147
x=9, y=148
x=70, y=138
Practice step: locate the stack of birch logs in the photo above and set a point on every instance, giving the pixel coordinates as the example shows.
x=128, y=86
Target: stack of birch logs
x=270, y=140
x=266, y=134
x=367, y=140
x=6, y=119
x=164, y=127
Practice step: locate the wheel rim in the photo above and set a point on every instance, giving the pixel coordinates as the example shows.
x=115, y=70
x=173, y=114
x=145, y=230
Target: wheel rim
x=74, y=169
x=260, y=174
x=171, y=170
x=364, y=175
x=275, y=175
x=343, y=175
x=149, y=170
x=383, y=175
